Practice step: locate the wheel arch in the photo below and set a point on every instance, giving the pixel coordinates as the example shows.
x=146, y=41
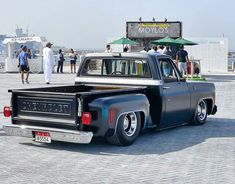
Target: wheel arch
x=111, y=108
x=196, y=120
x=209, y=102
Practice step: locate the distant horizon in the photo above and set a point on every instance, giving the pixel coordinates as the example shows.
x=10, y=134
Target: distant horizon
x=100, y=49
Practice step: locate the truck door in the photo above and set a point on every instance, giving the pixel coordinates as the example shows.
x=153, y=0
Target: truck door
x=176, y=96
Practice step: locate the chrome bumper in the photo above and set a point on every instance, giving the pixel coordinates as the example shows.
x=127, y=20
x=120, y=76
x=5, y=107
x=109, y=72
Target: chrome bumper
x=56, y=134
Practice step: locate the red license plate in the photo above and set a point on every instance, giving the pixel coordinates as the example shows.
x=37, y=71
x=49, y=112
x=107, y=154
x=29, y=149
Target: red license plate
x=43, y=137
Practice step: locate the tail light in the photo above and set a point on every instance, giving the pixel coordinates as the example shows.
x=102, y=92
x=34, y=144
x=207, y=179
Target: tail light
x=86, y=118
x=7, y=111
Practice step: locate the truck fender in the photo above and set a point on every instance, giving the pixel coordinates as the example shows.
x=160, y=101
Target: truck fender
x=112, y=107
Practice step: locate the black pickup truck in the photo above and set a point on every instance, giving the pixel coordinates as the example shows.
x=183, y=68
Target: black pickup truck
x=116, y=96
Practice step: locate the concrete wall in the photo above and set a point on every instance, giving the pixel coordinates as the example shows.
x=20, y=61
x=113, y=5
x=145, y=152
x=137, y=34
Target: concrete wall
x=212, y=53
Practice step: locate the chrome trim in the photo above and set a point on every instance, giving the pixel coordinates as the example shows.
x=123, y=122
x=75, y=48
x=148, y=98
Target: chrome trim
x=145, y=118
x=56, y=134
x=130, y=124
x=202, y=110
x=45, y=118
x=121, y=81
x=79, y=107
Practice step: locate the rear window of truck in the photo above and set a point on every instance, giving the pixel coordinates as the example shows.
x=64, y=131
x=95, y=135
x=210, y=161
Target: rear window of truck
x=116, y=67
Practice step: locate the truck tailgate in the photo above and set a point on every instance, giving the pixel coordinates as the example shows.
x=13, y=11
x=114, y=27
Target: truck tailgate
x=44, y=109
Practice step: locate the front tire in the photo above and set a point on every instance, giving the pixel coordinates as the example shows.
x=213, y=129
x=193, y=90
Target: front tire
x=201, y=113
x=128, y=129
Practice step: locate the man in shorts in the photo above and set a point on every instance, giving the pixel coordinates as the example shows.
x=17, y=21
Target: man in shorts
x=182, y=60
x=24, y=65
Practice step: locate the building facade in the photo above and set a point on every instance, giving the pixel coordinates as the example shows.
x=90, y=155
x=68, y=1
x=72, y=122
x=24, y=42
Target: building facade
x=212, y=53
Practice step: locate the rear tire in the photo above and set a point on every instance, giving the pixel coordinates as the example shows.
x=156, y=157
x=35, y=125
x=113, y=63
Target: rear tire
x=128, y=129
x=201, y=113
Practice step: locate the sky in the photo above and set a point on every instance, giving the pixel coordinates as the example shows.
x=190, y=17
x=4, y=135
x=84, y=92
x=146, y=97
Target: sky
x=89, y=23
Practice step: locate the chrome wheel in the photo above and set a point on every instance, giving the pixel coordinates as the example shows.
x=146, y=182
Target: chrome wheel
x=130, y=124
x=202, y=110
x=128, y=129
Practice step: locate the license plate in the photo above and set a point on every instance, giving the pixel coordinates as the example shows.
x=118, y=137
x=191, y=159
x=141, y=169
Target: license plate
x=42, y=137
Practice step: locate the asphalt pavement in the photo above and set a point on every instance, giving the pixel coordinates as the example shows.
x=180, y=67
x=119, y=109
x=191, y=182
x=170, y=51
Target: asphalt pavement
x=187, y=154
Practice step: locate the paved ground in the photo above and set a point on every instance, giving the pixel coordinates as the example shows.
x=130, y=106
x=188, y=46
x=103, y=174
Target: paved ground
x=188, y=154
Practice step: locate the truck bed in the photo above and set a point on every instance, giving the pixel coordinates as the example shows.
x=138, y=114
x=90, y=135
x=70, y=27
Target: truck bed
x=57, y=107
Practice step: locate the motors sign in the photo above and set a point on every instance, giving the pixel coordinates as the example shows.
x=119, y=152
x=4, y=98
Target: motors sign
x=153, y=29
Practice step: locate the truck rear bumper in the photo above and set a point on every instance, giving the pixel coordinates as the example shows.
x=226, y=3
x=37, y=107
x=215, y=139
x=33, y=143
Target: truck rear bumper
x=56, y=134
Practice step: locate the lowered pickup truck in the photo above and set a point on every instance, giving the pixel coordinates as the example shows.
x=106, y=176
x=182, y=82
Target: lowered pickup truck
x=115, y=96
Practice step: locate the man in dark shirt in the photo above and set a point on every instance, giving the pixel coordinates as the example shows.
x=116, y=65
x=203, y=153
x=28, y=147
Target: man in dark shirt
x=60, y=61
x=182, y=60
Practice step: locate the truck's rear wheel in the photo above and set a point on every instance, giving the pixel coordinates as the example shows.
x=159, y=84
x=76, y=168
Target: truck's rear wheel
x=201, y=113
x=128, y=129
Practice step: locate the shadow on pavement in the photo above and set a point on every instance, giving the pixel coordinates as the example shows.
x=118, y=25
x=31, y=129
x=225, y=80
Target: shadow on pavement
x=153, y=142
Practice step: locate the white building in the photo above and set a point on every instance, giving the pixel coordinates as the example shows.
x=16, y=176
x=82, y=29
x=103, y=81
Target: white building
x=212, y=53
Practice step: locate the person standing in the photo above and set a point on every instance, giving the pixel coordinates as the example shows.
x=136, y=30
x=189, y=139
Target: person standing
x=73, y=59
x=182, y=60
x=153, y=50
x=168, y=52
x=108, y=49
x=60, y=61
x=18, y=55
x=144, y=50
x=24, y=65
x=126, y=49
x=48, y=62
x=160, y=49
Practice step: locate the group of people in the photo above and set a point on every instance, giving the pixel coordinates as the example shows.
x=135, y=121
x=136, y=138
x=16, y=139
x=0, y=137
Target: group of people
x=61, y=59
x=108, y=49
x=49, y=61
x=181, y=55
x=181, y=59
x=24, y=55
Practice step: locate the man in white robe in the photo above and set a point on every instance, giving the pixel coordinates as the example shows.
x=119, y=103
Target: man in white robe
x=48, y=62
